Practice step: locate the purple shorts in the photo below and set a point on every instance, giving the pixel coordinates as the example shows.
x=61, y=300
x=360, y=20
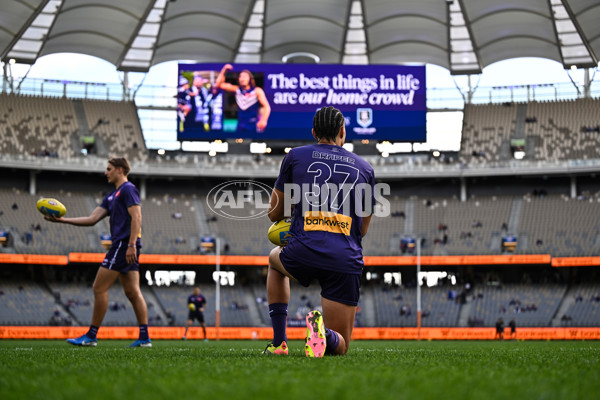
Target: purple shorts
x=115, y=259
x=336, y=286
x=199, y=315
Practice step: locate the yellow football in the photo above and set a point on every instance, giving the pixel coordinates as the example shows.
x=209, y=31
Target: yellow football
x=192, y=307
x=51, y=207
x=279, y=232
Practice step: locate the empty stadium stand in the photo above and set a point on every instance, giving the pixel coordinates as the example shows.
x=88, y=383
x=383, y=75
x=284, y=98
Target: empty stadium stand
x=583, y=308
x=37, y=126
x=396, y=306
x=237, y=304
x=560, y=225
x=553, y=224
x=531, y=305
x=487, y=127
x=241, y=236
x=528, y=305
x=26, y=303
x=32, y=234
x=118, y=126
x=54, y=127
x=564, y=130
x=171, y=225
x=552, y=131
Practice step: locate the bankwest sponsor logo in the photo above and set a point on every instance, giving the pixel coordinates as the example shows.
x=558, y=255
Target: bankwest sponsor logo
x=327, y=221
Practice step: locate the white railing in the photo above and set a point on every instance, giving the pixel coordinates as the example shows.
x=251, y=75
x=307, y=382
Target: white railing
x=164, y=95
x=246, y=166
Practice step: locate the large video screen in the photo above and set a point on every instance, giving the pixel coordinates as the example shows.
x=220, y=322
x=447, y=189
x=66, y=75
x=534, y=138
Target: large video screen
x=278, y=101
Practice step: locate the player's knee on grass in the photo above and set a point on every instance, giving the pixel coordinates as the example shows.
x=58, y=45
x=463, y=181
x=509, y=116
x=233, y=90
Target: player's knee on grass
x=336, y=344
x=342, y=348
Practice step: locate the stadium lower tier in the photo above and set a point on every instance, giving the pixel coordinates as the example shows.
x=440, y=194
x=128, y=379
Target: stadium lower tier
x=382, y=305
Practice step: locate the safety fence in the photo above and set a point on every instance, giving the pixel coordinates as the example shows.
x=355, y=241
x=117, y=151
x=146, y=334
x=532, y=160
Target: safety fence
x=177, y=259
x=264, y=333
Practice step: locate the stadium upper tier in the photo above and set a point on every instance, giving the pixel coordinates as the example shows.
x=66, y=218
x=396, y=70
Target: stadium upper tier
x=71, y=134
x=549, y=131
x=61, y=128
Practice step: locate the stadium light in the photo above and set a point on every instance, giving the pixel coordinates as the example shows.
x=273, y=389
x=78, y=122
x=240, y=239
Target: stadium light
x=258, y=148
x=218, y=146
x=161, y=152
x=287, y=150
x=392, y=148
x=349, y=147
x=289, y=56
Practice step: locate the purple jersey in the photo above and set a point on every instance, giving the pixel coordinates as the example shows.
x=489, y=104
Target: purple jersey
x=199, y=301
x=117, y=202
x=248, y=106
x=337, y=186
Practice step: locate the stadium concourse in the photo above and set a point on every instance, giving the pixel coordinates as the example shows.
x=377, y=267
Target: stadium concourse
x=506, y=226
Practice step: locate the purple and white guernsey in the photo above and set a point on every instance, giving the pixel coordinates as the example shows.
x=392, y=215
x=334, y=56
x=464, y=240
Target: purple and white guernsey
x=337, y=189
x=117, y=203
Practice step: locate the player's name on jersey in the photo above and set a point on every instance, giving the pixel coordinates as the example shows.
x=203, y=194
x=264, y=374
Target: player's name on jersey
x=329, y=156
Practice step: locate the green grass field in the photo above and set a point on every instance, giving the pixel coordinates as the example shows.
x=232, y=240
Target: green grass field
x=236, y=370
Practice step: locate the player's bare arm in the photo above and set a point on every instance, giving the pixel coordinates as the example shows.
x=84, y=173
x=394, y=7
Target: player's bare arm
x=92, y=219
x=365, y=225
x=135, y=212
x=276, y=211
x=220, y=82
x=265, y=110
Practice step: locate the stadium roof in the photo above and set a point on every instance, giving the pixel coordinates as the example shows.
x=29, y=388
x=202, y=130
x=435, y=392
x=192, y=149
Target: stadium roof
x=463, y=36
